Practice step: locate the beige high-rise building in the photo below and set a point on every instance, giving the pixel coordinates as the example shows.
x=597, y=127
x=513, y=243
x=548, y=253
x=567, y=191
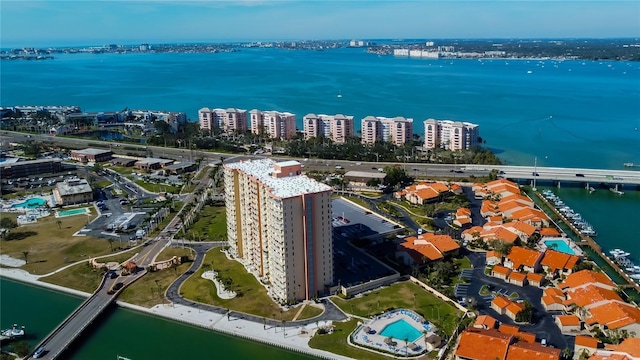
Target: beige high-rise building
x=450, y=135
x=279, y=227
x=228, y=120
x=397, y=130
x=278, y=125
x=335, y=127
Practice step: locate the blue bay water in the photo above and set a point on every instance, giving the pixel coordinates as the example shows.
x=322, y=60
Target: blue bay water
x=567, y=113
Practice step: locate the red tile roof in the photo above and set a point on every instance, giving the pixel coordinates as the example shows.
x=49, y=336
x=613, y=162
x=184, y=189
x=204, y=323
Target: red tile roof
x=583, y=277
x=590, y=294
x=586, y=341
x=517, y=276
x=521, y=256
x=514, y=308
x=568, y=320
x=480, y=344
x=485, y=321
x=508, y=329
x=614, y=315
x=558, y=260
x=528, y=337
x=548, y=231
x=499, y=269
x=523, y=350
x=501, y=302
x=629, y=345
x=535, y=277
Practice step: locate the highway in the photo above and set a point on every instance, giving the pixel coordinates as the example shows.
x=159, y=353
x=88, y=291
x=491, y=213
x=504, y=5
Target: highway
x=419, y=170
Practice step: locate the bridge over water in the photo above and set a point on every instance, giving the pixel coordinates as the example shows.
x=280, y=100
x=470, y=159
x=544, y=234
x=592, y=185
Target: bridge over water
x=558, y=174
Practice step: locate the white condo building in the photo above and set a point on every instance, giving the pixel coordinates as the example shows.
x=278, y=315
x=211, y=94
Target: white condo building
x=397, y=130
x=228, y=120
x=279, y=227
x=278, y=125
x=450, y=135
x=335, y=127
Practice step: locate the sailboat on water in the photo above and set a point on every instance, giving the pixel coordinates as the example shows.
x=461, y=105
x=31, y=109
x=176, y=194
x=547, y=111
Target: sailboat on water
x=339, y=94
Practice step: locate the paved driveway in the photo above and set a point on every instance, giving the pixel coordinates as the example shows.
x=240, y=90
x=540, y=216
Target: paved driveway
x=543, y=323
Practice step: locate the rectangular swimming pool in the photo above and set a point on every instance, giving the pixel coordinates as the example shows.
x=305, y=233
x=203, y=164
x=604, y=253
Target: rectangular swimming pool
x=72, y=212
x=559, y=245
x=401, y=330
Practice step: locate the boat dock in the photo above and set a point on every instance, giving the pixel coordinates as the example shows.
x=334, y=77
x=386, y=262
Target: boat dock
x=588, y=241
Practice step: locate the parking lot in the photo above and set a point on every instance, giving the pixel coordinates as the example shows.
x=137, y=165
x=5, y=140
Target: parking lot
x=351, y=265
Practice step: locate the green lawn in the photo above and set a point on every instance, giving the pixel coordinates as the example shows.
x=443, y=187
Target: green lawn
x=337, y=342
x=156, y=188
x=484, y=290
x=309, y=312
x=123, y=170
x=82, y=276
x=403, y=295
x=211, y=224
x=103, y=184
x=358, y=201
x=252, y=296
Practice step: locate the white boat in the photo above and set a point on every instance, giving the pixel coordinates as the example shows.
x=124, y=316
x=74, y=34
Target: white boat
x=619, y=253
x=339, y=94
x=617, y=191
x=635, y=276
x=14, y=332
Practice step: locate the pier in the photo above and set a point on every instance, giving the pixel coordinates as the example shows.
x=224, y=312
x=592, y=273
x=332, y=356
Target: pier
x=590, y=242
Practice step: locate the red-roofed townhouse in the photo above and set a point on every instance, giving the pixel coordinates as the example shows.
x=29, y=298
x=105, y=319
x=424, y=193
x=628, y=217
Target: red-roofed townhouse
x=568, y=323
x=534, y=217
x=523, y=259
x=479, y=344
x=513, y=309
x=589, y=296
x=585, y=345
x=508, y=329
x=485, y=322
x=629, y=347
x=517, y=278
x=456, y=188
x=585, y=277
x=489, y=208
x=499, y=304
x=463, y=217
x=536, y=280
x=493, y=258
x=527, y=337
x=509, y=208
x=558, y=263
x=523, y=350
x=472, y=234
x=427, y=247
x=522, y=229
x=553, y=299
x=549, y=232
x=500, y=272
x=614, y=316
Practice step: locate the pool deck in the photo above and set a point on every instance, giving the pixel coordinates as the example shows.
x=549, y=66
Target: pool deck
x=572, y=245
x=379, y=342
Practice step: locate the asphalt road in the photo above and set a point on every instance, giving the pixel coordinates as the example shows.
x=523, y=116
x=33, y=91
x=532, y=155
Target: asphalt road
x=543, y=325
x=414, y=169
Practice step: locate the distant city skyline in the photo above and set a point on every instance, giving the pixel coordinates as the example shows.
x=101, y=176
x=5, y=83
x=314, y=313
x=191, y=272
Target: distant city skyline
x=75, y=23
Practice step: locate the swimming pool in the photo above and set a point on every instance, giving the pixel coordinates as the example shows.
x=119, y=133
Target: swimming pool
x=559, y=245
x=401, y=330
x=32, y=203
x=72, y=212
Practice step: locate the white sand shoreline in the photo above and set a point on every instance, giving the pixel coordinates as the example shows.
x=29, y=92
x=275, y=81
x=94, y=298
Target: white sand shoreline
x=292, y=339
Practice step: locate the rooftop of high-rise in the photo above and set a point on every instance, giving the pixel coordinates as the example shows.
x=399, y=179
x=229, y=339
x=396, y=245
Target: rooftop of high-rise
x=284, y=186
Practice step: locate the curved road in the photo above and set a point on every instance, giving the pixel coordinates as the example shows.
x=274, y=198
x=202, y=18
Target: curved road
x=331, y=312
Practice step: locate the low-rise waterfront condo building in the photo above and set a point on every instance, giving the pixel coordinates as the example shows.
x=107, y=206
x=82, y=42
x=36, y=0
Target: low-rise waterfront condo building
x=397, y=130
x=279, y=227
x=278, y=125
x=450, y=135
x=227, y=120
x=335, y=127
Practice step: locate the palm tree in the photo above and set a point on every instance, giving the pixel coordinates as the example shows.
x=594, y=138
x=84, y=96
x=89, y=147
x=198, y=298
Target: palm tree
x=59, y=222
x=25, y=254
x=111, y=240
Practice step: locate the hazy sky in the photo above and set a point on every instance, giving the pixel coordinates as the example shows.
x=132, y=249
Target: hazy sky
x=61, y=22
